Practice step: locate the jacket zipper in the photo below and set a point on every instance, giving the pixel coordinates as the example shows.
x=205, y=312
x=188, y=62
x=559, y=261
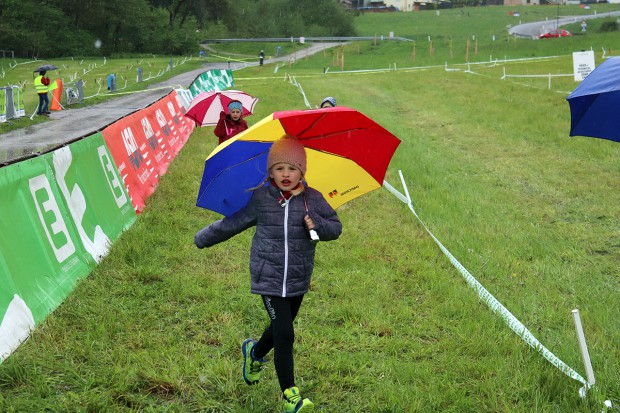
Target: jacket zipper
x=285, y=249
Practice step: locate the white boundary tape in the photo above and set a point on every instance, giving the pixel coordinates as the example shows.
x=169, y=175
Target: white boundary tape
x=293, y=81
x=497, y=307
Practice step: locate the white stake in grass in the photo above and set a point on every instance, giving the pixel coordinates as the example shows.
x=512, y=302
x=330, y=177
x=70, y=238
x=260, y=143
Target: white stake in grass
x=584, y=352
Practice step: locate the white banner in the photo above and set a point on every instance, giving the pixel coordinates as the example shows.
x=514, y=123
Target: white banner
x=583, y=64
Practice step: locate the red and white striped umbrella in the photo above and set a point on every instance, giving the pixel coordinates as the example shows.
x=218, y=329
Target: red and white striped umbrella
x=205, y=108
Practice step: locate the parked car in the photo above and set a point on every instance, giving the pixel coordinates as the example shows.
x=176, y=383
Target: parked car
x=555, y=33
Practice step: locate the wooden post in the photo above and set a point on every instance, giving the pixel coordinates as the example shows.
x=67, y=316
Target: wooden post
x=342, y=60
x=467, y=52
x=476, y=48
x=413, y=53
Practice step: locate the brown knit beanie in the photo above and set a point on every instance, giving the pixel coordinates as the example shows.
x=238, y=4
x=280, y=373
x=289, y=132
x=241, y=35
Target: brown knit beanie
x=288, y=150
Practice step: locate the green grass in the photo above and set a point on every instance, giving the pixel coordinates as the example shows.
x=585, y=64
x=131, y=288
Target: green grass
x=452, y=28
x=389, y=324
x=94, y=73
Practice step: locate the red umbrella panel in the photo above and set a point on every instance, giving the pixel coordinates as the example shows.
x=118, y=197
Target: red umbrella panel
x=347, y=156
x=205, y=108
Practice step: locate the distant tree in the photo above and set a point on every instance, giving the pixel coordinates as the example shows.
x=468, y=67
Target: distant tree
x=284, y=18
x=180, y=10
x=27, y=34
x=70, y=27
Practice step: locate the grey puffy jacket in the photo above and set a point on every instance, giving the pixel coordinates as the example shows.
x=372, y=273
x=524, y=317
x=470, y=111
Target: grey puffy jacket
x=282, y=256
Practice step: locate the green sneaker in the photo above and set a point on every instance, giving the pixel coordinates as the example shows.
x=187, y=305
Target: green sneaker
x=251, y=365
x=293, y=403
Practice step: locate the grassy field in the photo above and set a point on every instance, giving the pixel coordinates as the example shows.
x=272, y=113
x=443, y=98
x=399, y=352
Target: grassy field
x=389, y=325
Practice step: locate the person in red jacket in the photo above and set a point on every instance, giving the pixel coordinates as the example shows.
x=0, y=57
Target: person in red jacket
x=230, y=124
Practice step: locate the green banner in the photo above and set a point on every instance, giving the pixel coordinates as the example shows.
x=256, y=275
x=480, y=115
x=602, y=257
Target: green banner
x=215, y=79
x=60, y=213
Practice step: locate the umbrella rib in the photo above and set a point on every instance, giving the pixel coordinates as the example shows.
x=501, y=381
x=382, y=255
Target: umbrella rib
x=338, y=133
x=317, y=120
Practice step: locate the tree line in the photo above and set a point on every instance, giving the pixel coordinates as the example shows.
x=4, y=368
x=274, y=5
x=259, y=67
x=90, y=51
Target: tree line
x=59, y=28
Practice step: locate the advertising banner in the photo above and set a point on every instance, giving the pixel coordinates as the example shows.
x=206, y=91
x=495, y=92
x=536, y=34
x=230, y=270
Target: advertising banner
x=60, y=213
x=144, y=143
x=215, y=79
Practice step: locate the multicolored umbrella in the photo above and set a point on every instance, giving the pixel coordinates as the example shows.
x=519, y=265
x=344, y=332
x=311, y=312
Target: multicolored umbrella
x=595, y=103
x=205, y=108
x=347, y=156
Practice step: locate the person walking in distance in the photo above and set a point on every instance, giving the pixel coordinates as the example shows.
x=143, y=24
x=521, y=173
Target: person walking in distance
x=284, y=212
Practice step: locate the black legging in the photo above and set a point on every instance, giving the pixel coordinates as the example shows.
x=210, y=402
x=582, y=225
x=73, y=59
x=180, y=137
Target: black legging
x=279, y=336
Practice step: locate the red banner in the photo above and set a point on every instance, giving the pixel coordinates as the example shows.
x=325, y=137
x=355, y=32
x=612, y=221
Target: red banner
x=144, y=143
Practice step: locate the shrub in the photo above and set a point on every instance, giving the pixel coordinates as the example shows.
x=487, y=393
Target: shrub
x=609, y=27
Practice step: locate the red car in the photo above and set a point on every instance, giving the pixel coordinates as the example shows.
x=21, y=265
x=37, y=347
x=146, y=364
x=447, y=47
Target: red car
x=555, y=33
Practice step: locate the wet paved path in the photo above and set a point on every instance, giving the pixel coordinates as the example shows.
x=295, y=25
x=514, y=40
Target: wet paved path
x=533, y=30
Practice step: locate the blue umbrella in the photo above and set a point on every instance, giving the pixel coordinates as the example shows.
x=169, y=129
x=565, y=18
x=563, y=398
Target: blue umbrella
x=595, y=103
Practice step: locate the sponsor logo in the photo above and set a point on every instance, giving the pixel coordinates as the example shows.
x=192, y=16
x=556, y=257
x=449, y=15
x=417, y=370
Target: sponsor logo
x=343, y=193
x=270, y=310
x=51, y=218
x=94, y=240
x=161, y=119
x=98, y=245
x=350, y=190
x=131, y=146
x=180, y=103
x=148, y=133
x=173, y=112
x=111, y=177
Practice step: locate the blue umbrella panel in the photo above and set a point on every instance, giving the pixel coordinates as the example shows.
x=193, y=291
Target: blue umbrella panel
x=595, y=103
x=229, y=175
